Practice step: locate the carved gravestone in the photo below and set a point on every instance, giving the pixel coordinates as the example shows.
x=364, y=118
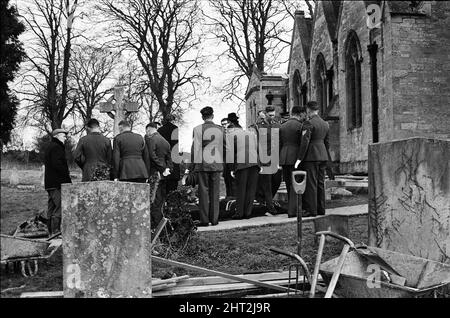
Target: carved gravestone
x=409, y=197
x=106, y=239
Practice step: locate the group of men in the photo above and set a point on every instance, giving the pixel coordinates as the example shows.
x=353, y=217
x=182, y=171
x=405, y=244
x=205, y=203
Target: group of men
x=236, y=154
x=299, y=143
x=131, y=158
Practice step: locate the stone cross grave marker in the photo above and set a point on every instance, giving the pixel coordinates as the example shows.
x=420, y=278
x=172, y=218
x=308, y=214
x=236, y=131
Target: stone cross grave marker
x=120, y=107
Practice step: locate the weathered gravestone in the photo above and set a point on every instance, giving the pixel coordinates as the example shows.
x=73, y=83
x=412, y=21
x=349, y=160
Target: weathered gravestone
x=14, y=177
x=409, y=197
x=106, y=239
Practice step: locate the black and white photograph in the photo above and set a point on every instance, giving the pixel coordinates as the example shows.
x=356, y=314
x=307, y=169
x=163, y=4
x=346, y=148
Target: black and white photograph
x=225, y=157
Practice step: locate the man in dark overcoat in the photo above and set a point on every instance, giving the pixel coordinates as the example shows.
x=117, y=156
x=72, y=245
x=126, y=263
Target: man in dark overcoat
x=158, y=150
x=56, y=173
x=170, y=132
x=130, y=160
x=93, y=151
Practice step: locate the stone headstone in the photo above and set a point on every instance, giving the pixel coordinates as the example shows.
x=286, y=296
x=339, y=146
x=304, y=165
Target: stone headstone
x=338, y=224
x=14, y=177
x=42, y=176
x=409, y=197
x=106, y=239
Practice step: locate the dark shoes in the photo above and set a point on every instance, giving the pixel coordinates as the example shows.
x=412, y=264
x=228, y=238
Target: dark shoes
x=236, y=217
x=272, y=210
x=199, y=224
x=304, y=215
x=307, y=215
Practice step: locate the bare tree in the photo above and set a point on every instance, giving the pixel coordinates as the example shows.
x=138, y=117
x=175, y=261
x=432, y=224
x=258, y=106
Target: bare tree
x=138, y=90
x=90, y=67
x=46, y=78
x=255, y=33
x=161, y=34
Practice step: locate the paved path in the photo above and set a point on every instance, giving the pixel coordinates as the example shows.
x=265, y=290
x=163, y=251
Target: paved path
x=280, y=219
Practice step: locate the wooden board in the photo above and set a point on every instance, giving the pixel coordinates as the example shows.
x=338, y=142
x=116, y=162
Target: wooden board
x=190, y=290
x=48, y=294
x=212, y=280
x=226, y=275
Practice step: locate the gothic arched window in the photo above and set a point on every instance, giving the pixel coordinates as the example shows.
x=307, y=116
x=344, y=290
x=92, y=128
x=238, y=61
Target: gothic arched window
x=321, y=84
x=353, y=81
x=297, y=89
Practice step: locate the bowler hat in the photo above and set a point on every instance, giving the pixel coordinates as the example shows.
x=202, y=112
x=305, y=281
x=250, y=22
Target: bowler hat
x=59, y=131
x=232, y=117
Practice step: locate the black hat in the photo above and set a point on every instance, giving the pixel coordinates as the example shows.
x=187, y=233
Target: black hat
x=232, y=117
x=270, y=109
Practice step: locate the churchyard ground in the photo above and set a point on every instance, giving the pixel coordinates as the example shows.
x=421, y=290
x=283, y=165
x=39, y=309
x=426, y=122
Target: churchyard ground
x=235, y=251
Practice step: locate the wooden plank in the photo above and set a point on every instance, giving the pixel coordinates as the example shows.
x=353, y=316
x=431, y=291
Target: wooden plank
x=156, y=282
x=187, y=290
x=217, y=273
x=211, y=280
x=48, y=294
x=163, y=286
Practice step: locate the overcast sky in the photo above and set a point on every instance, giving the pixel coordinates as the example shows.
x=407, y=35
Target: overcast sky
x=206, y=97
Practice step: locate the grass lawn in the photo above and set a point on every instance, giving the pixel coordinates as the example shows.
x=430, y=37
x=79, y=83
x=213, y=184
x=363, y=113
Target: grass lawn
x=233, y=251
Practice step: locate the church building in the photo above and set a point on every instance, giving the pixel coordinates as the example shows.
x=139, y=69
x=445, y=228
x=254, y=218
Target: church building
x=380, y=71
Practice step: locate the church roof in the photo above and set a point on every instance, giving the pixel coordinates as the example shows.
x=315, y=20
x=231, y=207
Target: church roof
x=331, y=12
x=305, y=30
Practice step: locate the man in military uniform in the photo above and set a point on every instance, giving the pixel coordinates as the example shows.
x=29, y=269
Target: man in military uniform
x=313, y=157
x=264, y=130
x=207, y=162
x=93, y=151
x=130, y=160
x=290, y=138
